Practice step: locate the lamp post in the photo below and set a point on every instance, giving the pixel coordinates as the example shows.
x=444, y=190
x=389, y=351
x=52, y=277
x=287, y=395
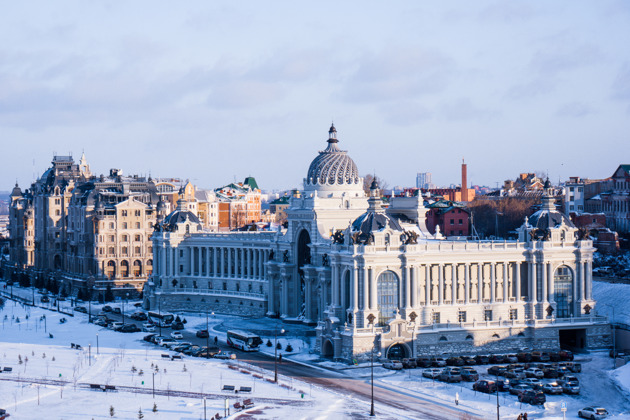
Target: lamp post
x=207, y=340
x=97, y=349
x=160, y=312
x=372, y=414
x=612, y=328
x=275, y=350
x=90, y=305
x=123, y=307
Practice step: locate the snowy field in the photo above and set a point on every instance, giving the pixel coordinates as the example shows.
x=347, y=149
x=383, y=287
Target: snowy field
x=52, y=381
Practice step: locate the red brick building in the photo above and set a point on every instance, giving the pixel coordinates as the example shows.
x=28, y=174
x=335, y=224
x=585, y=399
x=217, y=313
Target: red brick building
x=453, y=218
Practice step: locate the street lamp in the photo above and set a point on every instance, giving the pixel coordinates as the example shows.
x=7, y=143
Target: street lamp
x=275, y=357
x=123, y=307
x=612, y=328
x=372, y=414
x=207, y=338
x=97, y=350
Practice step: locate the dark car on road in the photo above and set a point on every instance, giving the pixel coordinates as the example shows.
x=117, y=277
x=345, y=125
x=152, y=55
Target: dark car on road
x=177, y=325
x=565, y=355
x=116, y=311
x=532, y=397
x=482, y=359
x=138, y=316
x=81, y=309
x=45, y=299
x=409, y=363
x=129, y=328
x=497, y=370
x=202, y=334
x=106, y=308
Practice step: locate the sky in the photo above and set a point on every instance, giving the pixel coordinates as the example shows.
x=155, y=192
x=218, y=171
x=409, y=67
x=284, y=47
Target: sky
x=217, y=91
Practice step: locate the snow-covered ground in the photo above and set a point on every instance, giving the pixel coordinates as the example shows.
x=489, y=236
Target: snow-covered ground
x=609, y=295
x=31, y=392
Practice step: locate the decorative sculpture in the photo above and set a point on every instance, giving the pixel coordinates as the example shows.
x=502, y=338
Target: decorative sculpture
x=325, y=261
x=409, y=237
x=285, y=256
x=587, y=309
x=338, y=237
x=371, y=318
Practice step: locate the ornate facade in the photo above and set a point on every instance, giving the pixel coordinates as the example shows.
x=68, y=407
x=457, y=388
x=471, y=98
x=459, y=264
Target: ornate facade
x=365, y=277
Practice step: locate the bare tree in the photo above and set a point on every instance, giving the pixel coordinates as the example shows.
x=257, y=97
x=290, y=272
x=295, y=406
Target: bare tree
x=367, y=183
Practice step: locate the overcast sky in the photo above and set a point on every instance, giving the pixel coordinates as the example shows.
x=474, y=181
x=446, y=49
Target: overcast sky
x=216, y=91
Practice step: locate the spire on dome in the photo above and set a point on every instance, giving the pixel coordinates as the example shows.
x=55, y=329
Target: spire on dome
x=332, y=134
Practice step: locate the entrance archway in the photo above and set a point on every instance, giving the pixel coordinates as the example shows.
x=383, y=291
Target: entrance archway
x=397, y=351
x=327, y=349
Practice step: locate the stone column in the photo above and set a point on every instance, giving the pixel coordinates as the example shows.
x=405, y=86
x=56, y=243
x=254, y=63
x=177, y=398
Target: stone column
x=550, y=285
x=453, y=284
x=576, y=280
x=366, y=289
x=505, y=282
x=493, y=282
x=517, y=281
x=407, y=301
x=372, y=290
x=544, y=282
x=176, y=260
x=414, y=286
x=534, y=281
x=589, y=280
x=355, y=289
x=427, y=285
x=271, y=298
x=583, y=281
x=163, y=261
x=200, y=256
x=480, y=283
x=466, y=283
x=441, y=285
x=243, y=261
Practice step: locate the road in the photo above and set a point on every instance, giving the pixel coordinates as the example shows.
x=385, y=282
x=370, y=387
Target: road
x=357, y=388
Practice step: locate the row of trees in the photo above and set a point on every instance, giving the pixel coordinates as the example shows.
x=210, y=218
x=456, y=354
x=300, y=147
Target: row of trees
x=500, y=218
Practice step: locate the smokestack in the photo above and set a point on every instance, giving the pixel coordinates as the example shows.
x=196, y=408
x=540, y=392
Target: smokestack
x=464, y=182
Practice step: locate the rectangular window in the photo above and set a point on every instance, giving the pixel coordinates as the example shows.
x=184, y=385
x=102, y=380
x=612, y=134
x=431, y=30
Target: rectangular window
x=138, y=250
x=513, y=314
x=209, y=285
x=435, y=317
x=487, y=315
x=137, y=225
x=137, y=213
x=112, y=238
x=452, y=222
x=461, y=316
x=181, y=268
x=224, y=286
x=461, y=221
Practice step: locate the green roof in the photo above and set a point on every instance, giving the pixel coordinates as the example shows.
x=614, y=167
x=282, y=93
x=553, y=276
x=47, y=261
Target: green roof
x=281, y=200
x=251, y=181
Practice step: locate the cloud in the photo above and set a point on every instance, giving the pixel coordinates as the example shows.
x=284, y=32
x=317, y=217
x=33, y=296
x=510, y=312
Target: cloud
x=536, y=87
x=561, y=58
x=406, y=113
x=621, y=85
x=507, y=12
x=574, y=109
x=398, y=74
x=464, y=109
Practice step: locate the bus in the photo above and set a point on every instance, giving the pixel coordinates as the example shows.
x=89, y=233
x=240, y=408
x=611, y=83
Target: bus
x=161, y=320
x=244, y=340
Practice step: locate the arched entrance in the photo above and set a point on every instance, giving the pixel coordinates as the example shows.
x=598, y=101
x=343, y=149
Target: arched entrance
x=303, y=258
x=397, y=351
x=327, y=349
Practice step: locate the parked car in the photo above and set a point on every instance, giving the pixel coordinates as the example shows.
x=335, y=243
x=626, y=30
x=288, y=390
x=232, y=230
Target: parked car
x=532, y=397
x=438, y=362
x=503, y=385
x=148, y=337
x=129, y=328
x=552, y=388
x=533, y=382
x=534, y=373
x=148, y=327
x=409, y=363
x=177, y=325
x=139, y=316
x=424, y=362
x=485, y=386
x=497, y=358
x=116, y=311
x=101, y=322
x=593, y=413
x=190, y=350
x=81, y=309
x=574, y=367
x=482, y=359
x=166, y=341
x=115, y=325
x=565, y=355
x=551, y=373
x=455, y=361
x=568, y=378
x=469, y=374
x=45, y=299
x=571, y=387
x=177, y=335
x=497, y=370
x=450, y=374
x=516, y=389
x=207, y=352
x=518, y=373
x=469, y=360
x=225, y=356
x=524, y=357
x=178, y=344
x=106, y=308
x=202, y=334
x=156, y=338
x=393, y=364
x=432, y=373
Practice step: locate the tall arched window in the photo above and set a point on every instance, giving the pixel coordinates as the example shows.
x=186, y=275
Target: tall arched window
x=387, y=288
x=124, y=268
x=563, y=291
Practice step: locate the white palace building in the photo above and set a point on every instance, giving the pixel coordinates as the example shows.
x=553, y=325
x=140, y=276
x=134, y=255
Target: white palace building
x=367, y=277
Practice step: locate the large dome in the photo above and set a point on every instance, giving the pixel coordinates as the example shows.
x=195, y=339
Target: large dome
x=332, y=167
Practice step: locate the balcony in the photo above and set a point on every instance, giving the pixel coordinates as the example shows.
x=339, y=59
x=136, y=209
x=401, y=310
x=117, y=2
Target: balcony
x=216, y=292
